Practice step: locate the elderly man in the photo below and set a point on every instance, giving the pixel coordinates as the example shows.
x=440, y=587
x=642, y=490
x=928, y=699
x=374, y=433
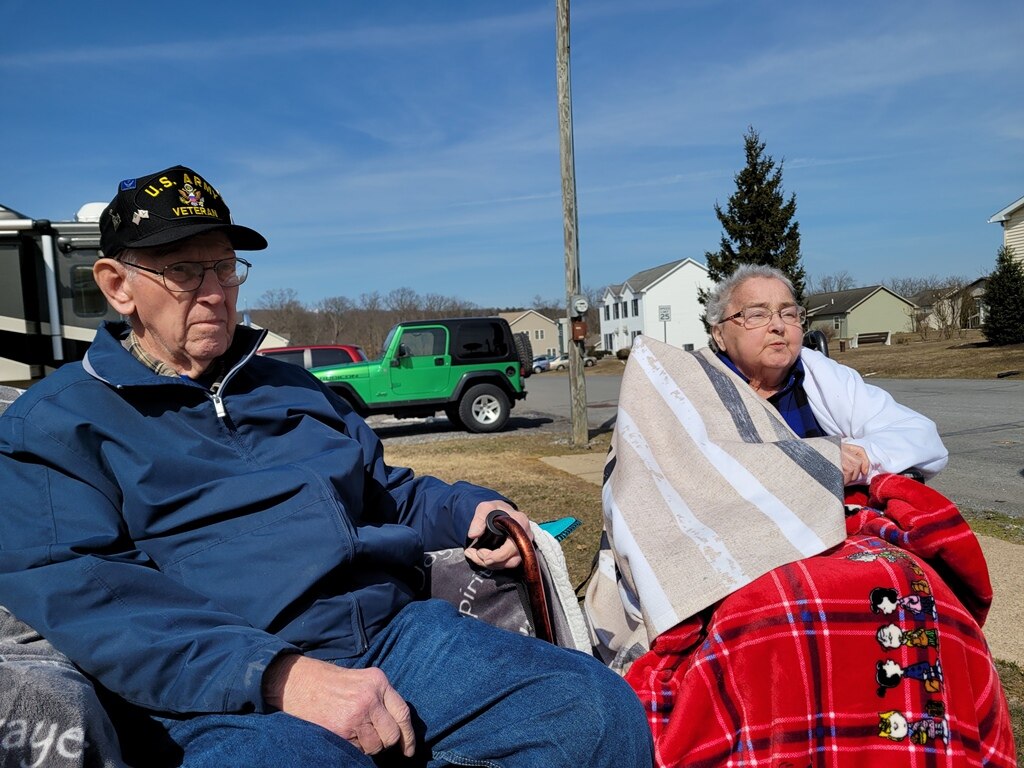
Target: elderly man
x=757, y=330
x=216, y=539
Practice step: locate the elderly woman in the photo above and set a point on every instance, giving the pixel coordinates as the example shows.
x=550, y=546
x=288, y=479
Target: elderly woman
x=762, y=615
x=757, y=330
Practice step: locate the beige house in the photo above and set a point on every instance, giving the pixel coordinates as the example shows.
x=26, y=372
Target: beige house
x=847, y=315
x=546, y=335
x=1012, y=220
x=951, y=309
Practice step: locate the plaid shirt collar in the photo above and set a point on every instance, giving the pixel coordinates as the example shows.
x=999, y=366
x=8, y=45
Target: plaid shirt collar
x=133, y=345
x=211, y=378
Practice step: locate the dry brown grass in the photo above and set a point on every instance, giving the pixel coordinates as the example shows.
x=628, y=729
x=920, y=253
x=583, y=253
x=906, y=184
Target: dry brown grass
x=969, y=357
x=1012, y=678
x=512, y=465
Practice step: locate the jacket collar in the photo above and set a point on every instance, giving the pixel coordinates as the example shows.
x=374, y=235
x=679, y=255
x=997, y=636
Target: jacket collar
x=108, y=361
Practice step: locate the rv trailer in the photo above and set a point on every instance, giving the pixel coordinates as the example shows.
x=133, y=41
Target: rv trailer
x=50, y=306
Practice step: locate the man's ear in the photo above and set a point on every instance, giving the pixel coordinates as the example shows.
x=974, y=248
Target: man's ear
x=112, y=279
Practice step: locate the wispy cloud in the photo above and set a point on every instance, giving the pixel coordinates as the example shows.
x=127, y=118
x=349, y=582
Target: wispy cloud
x=363, y=38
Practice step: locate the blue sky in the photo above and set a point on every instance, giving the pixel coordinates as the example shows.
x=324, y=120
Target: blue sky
x=405, y=143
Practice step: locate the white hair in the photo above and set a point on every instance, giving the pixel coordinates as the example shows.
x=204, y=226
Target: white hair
x=721, y=294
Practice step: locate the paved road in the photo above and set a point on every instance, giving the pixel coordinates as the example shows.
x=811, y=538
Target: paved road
x=980, y=421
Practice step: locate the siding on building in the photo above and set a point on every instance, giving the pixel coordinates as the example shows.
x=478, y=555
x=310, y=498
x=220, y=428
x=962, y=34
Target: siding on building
x=545, y=338
x=871, y=309
x=1011, y=218
x=1013, y=234
x=638, y=306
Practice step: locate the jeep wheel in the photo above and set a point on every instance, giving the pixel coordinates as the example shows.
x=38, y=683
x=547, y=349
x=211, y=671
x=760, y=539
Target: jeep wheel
x=524, y=352
x=484, y=408
x=452, y=412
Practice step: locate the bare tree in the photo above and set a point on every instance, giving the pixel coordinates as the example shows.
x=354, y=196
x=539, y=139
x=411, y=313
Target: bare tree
x=334, y=315
x=374, y=322
x=435, y=305
x=838, y=281
x=284, y=314
x=948, y=306
x=548, y=306
x=911, y=286
x=405, y=302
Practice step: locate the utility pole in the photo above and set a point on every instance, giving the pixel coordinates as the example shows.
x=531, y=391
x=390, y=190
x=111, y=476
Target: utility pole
x=574, y=313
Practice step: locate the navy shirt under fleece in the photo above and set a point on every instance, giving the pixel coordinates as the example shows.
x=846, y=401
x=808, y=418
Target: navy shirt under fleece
x=790, y=401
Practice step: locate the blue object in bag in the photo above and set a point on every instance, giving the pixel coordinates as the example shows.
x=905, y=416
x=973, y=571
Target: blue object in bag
x=561, y=528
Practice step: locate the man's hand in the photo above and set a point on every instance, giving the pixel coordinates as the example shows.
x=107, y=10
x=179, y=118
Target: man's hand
x=505, y=556
x=856, y=464
x=357, y=704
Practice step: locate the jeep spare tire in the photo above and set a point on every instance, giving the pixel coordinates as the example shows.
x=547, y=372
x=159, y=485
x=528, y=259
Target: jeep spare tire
x=524, y=351
x=484, y=408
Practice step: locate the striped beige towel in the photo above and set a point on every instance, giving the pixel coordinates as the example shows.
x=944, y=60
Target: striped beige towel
x=706, y=488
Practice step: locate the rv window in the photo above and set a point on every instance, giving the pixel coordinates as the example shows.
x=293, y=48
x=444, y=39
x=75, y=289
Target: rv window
x=86, y=298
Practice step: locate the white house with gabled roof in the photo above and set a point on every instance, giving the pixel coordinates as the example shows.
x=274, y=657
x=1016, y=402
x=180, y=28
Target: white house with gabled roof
x=1011, y=218
x=660, y=302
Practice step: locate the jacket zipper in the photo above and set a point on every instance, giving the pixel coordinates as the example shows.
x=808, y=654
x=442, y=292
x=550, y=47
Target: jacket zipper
x=214, y=393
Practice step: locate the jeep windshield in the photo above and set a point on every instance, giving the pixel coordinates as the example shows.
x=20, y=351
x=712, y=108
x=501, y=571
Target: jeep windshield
x=387, y=342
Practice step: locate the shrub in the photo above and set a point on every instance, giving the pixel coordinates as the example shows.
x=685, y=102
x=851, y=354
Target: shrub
x=622, y=354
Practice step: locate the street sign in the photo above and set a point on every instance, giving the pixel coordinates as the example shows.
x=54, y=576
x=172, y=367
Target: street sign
x=664, y=313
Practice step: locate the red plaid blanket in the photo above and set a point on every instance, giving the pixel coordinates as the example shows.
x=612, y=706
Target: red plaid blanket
x=869, y=654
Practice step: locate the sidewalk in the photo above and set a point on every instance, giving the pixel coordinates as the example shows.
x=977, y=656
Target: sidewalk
x=1005, y=565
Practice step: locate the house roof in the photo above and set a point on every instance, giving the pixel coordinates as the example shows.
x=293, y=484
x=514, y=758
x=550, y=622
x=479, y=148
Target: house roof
x=929, y=296
x=1008, y=211
x=643, y=280
x=514, y=317
x=844, y=302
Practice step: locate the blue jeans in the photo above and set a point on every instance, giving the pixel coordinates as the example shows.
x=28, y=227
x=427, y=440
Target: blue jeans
x=480, y=696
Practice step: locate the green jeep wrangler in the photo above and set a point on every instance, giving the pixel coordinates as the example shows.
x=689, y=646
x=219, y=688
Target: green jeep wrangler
x=473, y=369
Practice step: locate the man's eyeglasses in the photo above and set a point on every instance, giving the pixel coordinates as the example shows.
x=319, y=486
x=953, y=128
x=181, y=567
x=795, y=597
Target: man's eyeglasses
x=183, y=276
x=757, y=317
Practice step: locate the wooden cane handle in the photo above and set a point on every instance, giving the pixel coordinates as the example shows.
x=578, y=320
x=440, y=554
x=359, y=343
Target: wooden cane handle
x=532, y=576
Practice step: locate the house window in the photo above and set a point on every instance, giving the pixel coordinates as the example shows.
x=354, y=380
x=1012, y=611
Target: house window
x=636, y=307
x=538, y=334
x=633, y=335
x=625, y=309
x=607, y=312
x=616, y=311
x=837, y=322
x=608, y=342
x=687, y=347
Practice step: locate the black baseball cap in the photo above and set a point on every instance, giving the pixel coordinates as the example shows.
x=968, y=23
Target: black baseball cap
x=168, y=206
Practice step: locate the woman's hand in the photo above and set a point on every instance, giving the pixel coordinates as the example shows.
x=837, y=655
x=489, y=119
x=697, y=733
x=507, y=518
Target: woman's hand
x=856, y=464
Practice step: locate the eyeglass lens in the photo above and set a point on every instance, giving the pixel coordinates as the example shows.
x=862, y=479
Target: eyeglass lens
x=188, y=275
x=755, y=317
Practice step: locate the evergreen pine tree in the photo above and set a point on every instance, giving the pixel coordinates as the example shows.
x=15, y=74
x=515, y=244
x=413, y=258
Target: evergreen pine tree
x=758, y=222
x=1004, y=296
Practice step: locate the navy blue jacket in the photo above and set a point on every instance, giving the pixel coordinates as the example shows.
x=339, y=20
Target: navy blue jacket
x=172, y=542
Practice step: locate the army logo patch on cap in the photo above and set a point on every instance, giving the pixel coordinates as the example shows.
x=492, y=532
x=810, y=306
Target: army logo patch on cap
x=191, y=196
